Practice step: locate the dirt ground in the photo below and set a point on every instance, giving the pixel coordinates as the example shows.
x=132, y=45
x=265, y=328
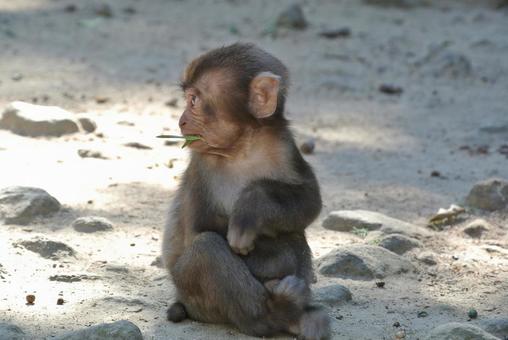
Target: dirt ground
x=374, y=151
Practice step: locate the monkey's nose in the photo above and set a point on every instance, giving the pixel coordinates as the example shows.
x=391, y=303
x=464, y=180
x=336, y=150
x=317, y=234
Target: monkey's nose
x=182, y=122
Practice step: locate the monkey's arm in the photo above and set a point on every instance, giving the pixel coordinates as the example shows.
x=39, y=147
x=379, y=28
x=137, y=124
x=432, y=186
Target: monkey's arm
x=269, y=207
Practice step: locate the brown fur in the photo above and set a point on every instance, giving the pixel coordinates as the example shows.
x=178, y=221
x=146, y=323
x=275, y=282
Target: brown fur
x=234, y=242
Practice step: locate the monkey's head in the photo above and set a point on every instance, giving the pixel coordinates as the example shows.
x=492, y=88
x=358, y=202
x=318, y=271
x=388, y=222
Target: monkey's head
x=230, y=90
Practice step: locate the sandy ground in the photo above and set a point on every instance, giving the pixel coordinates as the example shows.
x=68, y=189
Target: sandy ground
x=373, y=151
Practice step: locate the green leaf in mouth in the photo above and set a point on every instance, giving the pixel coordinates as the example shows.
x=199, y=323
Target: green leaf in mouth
x=188, y=138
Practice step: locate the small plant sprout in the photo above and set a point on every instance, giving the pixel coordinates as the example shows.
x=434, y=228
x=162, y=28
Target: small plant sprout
x=188, y=138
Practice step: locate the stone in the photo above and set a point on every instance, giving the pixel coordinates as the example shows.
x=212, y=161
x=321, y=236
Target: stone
x=308, y=147
x=397, y=3
x=452, y=65
x=428, y=258
x=332, y=294
x=92, y=224
x=119, y=330
x=476, y=228
x=87, y=124
x=459, y=331
x=11, y=332
x=36, y=120
x=363, y=262
x=496, y=325
x=84, y=153
x=157, y=262
x=47, y=249
x=292, y=17
x=22, y=205
x=347, y=220
x=137, y=145
x=73, y=278
x=399, y=244
x=491, y=195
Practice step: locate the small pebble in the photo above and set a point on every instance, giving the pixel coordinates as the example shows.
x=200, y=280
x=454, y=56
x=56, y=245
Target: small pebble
x=435, y=173
x=104, y=11
x=308, y=147
x=396, y=324
x=70, y=8
x=380, y=284
x=344, y=32
x=390, y=89
x=101, y=99
x=473, y=314
x=60, y=301
x=30, y=299
x=422, y=314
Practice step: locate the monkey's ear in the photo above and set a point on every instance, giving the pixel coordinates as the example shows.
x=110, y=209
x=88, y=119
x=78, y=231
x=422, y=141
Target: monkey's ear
x=264, y=89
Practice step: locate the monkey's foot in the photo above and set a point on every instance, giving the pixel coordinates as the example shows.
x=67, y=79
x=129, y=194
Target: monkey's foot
x=290, y=288
x=176, y=312
x=314, y=325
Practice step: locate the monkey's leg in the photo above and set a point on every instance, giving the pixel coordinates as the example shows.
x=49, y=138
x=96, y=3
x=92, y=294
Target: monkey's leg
x=284, y=264
x=215, y=285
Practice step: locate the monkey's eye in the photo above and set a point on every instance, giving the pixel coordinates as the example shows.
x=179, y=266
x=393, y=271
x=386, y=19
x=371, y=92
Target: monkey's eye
x=194, y=100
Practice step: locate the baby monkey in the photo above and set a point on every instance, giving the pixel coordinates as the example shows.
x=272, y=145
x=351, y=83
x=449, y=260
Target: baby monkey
x=234, y=242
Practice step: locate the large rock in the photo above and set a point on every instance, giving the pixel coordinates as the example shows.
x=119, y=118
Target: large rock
x=47, y=249
x=119, y=330
x=459, y=331
x=491, y=195
x=347, y=220
x=363, y=262
x=92, y=224
x=399, y=244
x=36, y=120
x=11, y=332
x=21, y=205
x=332, y=294
x=497, y=325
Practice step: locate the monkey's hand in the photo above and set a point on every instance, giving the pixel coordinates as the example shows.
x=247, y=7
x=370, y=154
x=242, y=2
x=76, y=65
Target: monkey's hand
x=241, y=240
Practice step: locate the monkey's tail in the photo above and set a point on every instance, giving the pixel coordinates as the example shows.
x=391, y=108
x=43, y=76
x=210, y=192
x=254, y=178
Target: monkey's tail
x=177, y=312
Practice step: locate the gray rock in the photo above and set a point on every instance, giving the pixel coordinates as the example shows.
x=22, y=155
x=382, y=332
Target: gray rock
x=47, y=249
x=84, y=153
x=333, y=294
x=157, y=262
x=459, y=331
x=116, y=268
x=292, y=17
x=347, y=220
x=21, y=205
x=119, y=330
x=2, y=272
x=451, y=65
x=495, y=129
x=11, y=332
x=428, y=258
x=87, y=124
x=73, y=278
x=36, y=120
x=497, y=325
x=397, y=3
x=92, y=224
x=491, y=195
x=363, y=262
x=476, y=228
x=399, y=244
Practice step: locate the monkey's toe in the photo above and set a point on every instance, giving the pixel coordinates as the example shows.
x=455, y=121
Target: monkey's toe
x=177, y=312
